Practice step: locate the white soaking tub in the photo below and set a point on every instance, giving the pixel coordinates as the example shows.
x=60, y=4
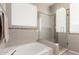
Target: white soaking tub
x=34, y=48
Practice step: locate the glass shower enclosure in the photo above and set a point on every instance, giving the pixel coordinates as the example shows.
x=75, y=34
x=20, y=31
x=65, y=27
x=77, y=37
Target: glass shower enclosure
x=54, y=28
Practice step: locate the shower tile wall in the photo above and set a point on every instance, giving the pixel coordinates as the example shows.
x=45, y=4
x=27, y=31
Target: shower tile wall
x=62, y=39
x=4, y=6
x=18, y=37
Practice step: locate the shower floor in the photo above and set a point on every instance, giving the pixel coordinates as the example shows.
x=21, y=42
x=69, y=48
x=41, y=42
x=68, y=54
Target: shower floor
x=62, y=50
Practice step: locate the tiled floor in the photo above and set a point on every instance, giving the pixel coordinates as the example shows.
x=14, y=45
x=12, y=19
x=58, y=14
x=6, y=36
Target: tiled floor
x=62, y=50
x=68, y=53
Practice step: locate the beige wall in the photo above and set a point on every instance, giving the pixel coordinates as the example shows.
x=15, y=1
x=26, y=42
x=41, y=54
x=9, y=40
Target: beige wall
x=59, y=5
x=43, y=8
x=74, y=42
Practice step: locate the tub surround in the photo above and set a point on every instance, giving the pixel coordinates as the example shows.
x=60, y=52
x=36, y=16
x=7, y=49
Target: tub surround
x=34, y=48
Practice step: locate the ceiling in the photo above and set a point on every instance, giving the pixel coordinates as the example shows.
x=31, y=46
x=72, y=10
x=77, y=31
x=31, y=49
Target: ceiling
x=44, y=4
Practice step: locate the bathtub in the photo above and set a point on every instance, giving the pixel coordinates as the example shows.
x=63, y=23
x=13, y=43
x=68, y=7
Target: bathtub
x=34, y=48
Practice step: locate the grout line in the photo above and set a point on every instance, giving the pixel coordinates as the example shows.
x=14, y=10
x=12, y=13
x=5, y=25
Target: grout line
x=61, y=53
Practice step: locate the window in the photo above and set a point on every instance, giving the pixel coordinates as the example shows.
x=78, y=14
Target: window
x=24, y=14
x=61, y=20
x=74, y=18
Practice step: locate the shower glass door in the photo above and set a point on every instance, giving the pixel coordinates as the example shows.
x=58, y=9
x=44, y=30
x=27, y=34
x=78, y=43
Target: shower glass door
x=45, y=29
